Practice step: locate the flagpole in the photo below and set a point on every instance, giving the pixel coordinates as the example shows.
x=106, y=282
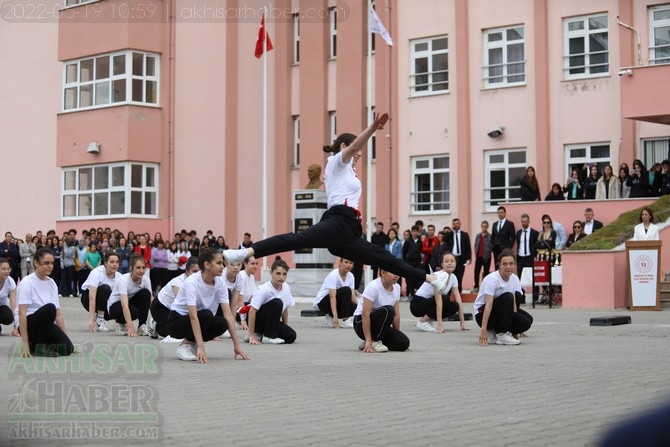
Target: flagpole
x=264, y=228
x=368, y=212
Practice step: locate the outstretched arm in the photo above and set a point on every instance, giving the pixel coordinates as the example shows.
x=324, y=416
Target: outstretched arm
x=360, y=141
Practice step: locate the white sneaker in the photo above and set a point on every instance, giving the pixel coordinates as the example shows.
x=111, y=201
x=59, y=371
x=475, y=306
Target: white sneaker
x=273, y=341
x=185, y=352
x=425, y=326
x=361, y=345
x=259, y=337
x=506, y=339
x=226, y=334
x=347, y=323
x=100, y=325
x=143, y=330
x=378, y=346
x=329, y=320
x=151, y=327
x=235, y=255
x=492, y=337
x=121, y=329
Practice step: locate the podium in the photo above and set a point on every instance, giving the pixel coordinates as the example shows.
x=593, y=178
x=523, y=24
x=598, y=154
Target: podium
x=644, y=274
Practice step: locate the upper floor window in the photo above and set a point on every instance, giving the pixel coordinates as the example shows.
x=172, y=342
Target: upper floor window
x=504, y=56
x=586, y=47
x=580, y=155
x=296, y=140
x=659, y=47
x=430, y=65
x=504, y=169
x=129, y=77
x=332, y=17
x=110, y=190
x=430, y=184
x=296, y=38
x=655, y=150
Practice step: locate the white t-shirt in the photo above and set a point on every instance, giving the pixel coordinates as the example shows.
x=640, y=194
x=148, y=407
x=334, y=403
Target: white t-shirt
x=7, y=287
x=126, y=286
x=195, y=292
x=36, y=293
x=427, y=291
x=98, y=277
x=379, y=296
x=494, y=285
x=238, y=284
x=249, y=289
x=166, y=296
x=342, y=185
x=333, y=281
x=267, y=292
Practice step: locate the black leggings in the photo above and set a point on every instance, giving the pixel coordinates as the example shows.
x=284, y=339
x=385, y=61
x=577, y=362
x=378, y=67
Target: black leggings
x=138, y=306
x=503, y=318
x=6, y=315
x=420, y=306
x=211, y=326
x=102, y=294
x=381, y=329
x=42, y=330
x=160, y=314
x=345, y=307
x=269, y=323
x=340, y=232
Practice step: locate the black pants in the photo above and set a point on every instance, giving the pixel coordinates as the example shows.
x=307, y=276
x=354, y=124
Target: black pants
x=381, y=329
x=211, y=326
x=160, y=313
x=42, y=330
x=138, y=306
x=481, y=264
x=459, y=271
x=412, y=285
x=159, y=277
x=503, y=318
x=67, y=281
x=102, y=294
x=268, y=322
x=340, y=232
x=420, y=306
x=345, y=307
x=6, y=315
x=82, y=276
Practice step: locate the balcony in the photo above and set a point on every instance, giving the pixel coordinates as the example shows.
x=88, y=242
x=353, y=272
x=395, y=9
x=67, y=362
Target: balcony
x=644, y=93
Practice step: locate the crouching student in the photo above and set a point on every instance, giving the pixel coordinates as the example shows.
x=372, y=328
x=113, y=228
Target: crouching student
x=193, y=312
x=377, y=316
x=336, y=297
x=41, y=322
x=97, y=289
x=7, y=295
x=430, y=306
x=248, y=291
x=160, y=306
x=131, y=298
x=234, y=283
x=495, y=308
x=268, y=314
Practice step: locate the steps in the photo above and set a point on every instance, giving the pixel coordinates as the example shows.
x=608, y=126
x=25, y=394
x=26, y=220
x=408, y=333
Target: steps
x=665, y=291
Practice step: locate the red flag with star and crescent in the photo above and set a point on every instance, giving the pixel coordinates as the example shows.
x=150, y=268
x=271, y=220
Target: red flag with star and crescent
x=262, y=36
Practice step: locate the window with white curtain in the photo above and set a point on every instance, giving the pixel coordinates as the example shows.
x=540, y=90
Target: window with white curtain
x=576, y=155
x=504, y=57
x=430, y=184
x=504, y=169
x=430, y=66
x=655, y=150
x=586, y=47
x=659, y=47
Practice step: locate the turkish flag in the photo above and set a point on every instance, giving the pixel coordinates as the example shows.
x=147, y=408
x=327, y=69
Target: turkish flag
x=262, y=36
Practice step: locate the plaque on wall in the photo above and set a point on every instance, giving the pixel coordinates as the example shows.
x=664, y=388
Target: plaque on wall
x=301, y=224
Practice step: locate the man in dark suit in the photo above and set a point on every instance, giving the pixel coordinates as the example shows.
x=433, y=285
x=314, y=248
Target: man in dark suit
x=503, y=234
x=461, y=250
x=526, y=238
x=590, y=224
x=411, y=253
x=10, y=251
x=380, y=239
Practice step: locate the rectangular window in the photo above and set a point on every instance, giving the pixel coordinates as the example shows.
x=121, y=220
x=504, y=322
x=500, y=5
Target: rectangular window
x=586, y=47
x=504, y=57
x=577, y=155
x=296, y=141
x=110, y=191
x=105, y=80
x=655, y=150
x=332, y=122
x=296, y=38
x=373, y=5
x=504, y=169
x=430, y=184
x=332, y=16
x=659, y=47
x=373, y=138
x=430, y=66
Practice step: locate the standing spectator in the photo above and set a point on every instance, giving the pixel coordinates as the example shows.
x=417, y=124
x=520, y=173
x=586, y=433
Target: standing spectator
x=394, y=246
x=82, y=273
x=144, y=249
x=607, y=187
x=27, y=250
x=561, y=235
x=530, y=189
x=556, y=193
x=591, y=181
x=624, y=189
x=655, y=179
x=573, y=186
x=590, y=224
x=548, y=234
x=411, y=253
x=67, y=259
x=526, y=238
x=461, y=251
x=93, y=258
x=427, y=246
x=646, y=230
x=503, y=234
x=638, y=180
x=246, y=241
x=172, y=262
x=7, y=296
x=482, y=253
x=57, y=249
x=124, y=252
x=159, y=262
x=422, y=231
x=665, y=178
x=380, y=239
x=182, y=256
x=441, y=248
x=577, y=233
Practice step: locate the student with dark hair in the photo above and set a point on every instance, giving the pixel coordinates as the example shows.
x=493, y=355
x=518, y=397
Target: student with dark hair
x=97, y=289
x=591, y=181
x=7, y=294
x=131, y=298
x=638, y=181
x=340, y=227
x=556, y=193
x=646, y=230
x=530, y=188
x=41, y=322
x=336, y=298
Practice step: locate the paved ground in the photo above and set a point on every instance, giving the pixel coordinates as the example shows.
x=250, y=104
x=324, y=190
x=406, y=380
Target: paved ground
x=562, y=386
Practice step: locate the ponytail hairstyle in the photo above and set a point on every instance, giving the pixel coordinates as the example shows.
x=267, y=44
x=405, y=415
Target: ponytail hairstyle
x=346, y=138
x=279, y=262
x=207, y=254
x=190, y=262
x=135, y=258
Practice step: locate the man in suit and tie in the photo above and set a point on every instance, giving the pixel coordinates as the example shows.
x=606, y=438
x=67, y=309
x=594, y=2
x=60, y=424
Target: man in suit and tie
x=526, y=238
x=461, y=250
x=590, y=224
x=503, y=234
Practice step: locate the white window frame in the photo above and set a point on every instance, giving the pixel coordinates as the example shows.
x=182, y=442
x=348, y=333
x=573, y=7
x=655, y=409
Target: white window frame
x=574, y=159
x=332, y=20
x=504, y=160
x=425, y=50
x=97, y=90
x=430, y=200
x=503, y=73
x=296, y=141
x=296, y=39
x=332, y=125
x=373, y=5
x=585, y=33
x=73, y=3
x=654, y=57
x=654, y=150
x=85, y=203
